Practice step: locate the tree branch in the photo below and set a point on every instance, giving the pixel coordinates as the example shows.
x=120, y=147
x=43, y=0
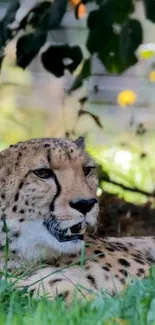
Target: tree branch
x=124, y=187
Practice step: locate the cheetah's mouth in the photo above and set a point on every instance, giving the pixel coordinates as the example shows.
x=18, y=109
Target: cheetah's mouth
x=75, y=232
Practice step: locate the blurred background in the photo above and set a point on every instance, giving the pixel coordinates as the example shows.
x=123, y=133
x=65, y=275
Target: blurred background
x=71, y=68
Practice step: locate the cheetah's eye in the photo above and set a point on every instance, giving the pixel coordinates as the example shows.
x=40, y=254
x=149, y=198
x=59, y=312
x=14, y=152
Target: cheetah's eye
x=87, y=170
x=43, y=173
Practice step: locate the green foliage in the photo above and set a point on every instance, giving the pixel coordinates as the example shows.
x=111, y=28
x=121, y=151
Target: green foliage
x=149, y=10
x=131, y=37
x=113, y=35
x=116, y=49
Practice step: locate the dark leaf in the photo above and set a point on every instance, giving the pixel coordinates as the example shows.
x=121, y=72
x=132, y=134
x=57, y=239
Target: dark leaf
x=11, y=12
x=94, y=117
x=117, y=51
x=13, y=6
x=28, y=47
x=104, y=40
x=109, y=53
x=119, y=10
x=45, y=15
x=98, y=39
x=109, y=12
x=104, y=16
x=131, y=37
x=123, y=9
x=93, y=19
x=36, y=15
x=149, y=6
x=58, y=58
x=5, y=32
x=53, y=18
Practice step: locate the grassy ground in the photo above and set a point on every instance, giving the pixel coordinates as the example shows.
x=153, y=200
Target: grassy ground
x=135, y=306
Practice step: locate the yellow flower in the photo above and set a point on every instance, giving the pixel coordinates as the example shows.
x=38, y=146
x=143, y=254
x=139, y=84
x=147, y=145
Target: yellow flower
x=146, y=51
x=152, y=76
x=146, y=54
x=126, y=97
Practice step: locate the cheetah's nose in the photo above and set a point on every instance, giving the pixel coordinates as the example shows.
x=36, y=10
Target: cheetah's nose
x=83, y=205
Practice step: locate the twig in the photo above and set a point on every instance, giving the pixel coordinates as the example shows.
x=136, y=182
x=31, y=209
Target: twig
x=131, y=189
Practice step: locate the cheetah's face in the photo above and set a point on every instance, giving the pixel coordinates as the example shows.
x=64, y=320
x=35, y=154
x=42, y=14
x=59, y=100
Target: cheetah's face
x=53, y=196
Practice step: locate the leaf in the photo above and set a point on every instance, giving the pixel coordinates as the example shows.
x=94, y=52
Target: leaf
x=109, y=54
x=105, y=41
x=44, y=15
x=28, y=47
x=5, y=32
x=131, y=37
x=53, y=18
x=120, y=10
x=93, y=19
x=58, y=58
x=94, y=117
x=109, y=12
x=94, y=41
x=36, y=15
x=102, y=17
x=149, y=6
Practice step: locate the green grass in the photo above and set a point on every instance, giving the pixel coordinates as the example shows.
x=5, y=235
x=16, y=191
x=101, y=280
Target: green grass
x=135, y=306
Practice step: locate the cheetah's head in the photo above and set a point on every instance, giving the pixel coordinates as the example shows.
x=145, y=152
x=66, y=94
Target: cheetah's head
x=48, y=196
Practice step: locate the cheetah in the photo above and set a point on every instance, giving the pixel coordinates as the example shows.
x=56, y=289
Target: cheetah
x=49, y=212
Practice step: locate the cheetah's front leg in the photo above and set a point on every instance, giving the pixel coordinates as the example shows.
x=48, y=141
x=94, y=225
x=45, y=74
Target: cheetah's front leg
x=63, y=283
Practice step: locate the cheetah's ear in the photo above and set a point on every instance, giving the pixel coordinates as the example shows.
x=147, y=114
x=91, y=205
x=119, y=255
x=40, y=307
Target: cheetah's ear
x=80, y=142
